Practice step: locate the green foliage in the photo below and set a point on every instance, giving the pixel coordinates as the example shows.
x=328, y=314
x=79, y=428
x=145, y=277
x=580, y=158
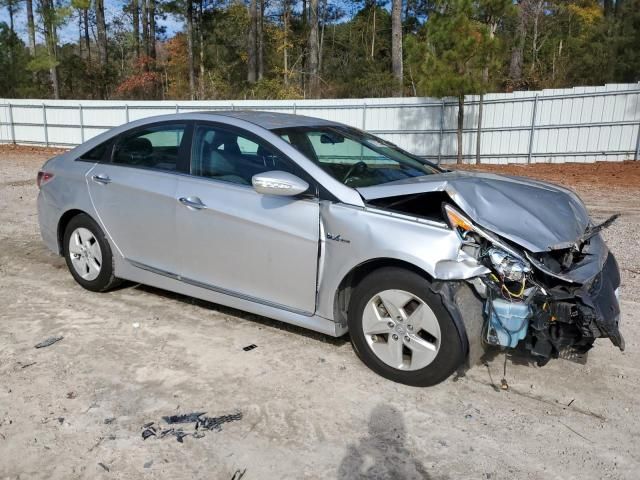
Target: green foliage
x=456, y=49
x=15, y=80
x=451, y=48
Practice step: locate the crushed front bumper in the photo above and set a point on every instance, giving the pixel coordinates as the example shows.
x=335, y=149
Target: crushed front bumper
x=600, y=307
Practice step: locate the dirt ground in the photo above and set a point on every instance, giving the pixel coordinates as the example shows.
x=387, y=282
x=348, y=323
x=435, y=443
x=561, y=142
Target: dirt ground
x=310, y=409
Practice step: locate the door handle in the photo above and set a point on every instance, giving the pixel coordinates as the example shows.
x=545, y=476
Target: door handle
x=192, y=202
x=103, y=179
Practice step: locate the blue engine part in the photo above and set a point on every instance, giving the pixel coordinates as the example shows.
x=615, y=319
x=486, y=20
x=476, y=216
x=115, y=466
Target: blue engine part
x=507, y=322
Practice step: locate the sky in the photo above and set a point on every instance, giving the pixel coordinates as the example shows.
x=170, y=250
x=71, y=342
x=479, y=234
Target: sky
x=69, y=32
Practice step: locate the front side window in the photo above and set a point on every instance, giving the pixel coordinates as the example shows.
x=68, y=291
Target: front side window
x=353, y=157
x=154, y=147
x=225, y=155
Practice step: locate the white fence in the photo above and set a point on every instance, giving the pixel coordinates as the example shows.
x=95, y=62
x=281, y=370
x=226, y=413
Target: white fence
x=584, y=124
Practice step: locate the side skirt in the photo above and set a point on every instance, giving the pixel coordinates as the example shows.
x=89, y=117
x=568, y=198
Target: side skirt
x=129, y=270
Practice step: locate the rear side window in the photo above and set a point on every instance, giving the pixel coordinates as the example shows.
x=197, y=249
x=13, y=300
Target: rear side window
x=152, y=147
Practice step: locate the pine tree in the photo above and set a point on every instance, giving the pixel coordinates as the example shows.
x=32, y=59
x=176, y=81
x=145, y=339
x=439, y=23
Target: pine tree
x=452, y=58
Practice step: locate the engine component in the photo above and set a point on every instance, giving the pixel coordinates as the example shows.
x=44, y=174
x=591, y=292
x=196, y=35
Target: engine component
x=507, y=266
x=507, y=322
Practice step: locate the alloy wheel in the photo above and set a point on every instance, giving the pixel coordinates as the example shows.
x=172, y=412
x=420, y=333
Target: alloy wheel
x=401, y=330
x=85, y=253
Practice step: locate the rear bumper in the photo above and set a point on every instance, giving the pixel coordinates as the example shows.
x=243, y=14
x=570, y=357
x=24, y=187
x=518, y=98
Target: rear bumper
x=48, y=216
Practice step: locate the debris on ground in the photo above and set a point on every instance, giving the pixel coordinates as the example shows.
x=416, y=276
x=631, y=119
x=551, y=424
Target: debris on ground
x=109, y=421
x=215, y=423
x=49, y=341
x=148, y=464
x=148, y=430
x=27, y=365
x=200, y=423
x=187, y=418
x=249, y=347
x=71, y=395
x=238, y=474
x=103, y=466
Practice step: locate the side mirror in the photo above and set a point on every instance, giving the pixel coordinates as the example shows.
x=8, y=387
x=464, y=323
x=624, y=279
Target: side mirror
x=279, y=183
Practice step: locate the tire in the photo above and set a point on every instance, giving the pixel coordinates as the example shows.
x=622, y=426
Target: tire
x=89, y=257
x=423, y=348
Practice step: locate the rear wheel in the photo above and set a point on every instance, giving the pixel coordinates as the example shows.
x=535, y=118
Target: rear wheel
x=88, y=254
x=401, y=330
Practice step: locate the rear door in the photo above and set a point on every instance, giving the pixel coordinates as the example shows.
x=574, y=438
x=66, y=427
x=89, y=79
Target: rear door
x=135, y=193
x=263, y=248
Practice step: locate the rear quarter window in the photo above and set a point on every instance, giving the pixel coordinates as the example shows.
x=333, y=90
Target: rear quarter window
x=96, y=154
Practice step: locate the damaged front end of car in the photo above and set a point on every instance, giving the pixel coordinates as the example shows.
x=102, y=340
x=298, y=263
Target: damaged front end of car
x=554, y=303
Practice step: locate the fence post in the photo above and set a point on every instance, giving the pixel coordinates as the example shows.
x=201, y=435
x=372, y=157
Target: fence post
x=479, y=134
x=177, y=108
x=364, y=115
x=81, y=124
x=294, y=108
x=11, y=125
x=126, y=112
x=637, y=155
x=44, y=122
x=532, y=132
x=441, y=131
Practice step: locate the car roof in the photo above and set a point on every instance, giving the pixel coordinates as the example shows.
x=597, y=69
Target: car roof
x=273, y=120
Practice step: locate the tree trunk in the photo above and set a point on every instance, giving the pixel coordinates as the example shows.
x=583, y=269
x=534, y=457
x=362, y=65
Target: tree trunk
x=144, y=20
x=252, y=42
x=11, y=8
x=373, y=30
x=31, y=27
x=101, y=28
x=314, y=79
x=324, y=22
x=285, y=60
x=101, y=40
x=460, y=126
x=396, y=47
x=260, y=35
x=517, y=52
x=192, y=82
x=135, y=13
x=201, y=52
x=608, y=8
x=47, y=12
x=151, y=9
x=87, y=39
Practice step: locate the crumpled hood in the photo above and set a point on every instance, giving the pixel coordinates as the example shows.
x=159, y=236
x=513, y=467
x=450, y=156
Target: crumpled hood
x=536, y=215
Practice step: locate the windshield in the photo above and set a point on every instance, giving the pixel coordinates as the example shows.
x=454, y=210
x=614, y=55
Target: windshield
x=353, y=157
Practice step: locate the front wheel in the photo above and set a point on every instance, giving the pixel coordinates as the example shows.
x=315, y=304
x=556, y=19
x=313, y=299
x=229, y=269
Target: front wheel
x=401, y=330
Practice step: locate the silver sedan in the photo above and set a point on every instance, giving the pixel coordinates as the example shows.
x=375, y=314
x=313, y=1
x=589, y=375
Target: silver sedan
x=324, y=226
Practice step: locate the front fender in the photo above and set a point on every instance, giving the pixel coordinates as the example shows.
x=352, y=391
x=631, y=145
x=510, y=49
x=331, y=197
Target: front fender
x=355, y=235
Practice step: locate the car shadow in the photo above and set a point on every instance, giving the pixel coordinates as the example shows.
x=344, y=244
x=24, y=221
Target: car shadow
x=382, y=452
x=264, y=321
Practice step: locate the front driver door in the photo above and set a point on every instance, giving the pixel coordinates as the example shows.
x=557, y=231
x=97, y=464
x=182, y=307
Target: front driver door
x=259, y=247
x=134, y=194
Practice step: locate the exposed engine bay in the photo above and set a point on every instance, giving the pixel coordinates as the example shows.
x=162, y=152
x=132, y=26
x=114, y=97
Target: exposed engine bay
x=552, y=303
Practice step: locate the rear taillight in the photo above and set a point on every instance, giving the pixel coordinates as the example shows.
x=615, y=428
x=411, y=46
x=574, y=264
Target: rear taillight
x=43, y=177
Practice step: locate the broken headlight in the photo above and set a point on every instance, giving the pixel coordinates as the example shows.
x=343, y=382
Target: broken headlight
x=507, y=266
